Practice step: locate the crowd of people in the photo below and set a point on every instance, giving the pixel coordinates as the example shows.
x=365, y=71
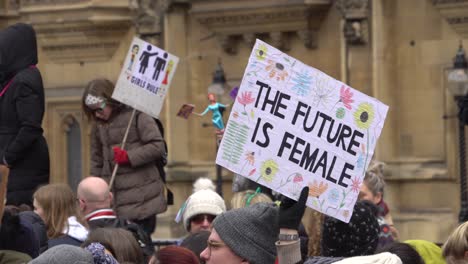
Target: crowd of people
x=51, y=223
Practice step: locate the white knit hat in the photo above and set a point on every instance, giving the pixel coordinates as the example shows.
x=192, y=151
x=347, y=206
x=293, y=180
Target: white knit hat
x=203, y=202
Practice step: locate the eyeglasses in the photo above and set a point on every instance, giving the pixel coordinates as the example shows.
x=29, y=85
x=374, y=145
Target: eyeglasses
x=211, y=244
x=100, y=108
x=198, y=219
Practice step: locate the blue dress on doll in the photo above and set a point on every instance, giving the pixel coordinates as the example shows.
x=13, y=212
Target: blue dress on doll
x=217, y=119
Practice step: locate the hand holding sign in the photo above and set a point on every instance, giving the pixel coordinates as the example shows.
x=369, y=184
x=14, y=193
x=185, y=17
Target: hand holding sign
x=291, y=212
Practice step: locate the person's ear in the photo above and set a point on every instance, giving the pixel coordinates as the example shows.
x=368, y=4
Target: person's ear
x=82, y=204
x=245, y=262
x=378, y=198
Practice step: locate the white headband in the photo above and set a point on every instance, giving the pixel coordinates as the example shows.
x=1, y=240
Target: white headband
x=92, y=100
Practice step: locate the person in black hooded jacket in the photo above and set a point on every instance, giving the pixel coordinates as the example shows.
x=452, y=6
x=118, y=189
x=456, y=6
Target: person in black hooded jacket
x=22, y=146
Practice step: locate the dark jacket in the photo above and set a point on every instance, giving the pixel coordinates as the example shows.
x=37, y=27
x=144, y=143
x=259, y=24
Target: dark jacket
x=38, y=227
x=64, y=240
x=23, y=232
x=138, y=188
x=106, y=218
x=22, y=144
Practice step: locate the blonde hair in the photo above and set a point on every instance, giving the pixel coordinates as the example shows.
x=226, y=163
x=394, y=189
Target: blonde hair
x=374, y=179
x=58, y=203
x=248, y=197
x=456, y=245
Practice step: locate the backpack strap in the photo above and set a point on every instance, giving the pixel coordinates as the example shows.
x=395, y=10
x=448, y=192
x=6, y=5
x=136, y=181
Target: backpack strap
x=161, y=163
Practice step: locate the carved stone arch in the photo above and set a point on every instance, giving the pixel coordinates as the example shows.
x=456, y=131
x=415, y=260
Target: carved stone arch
x=67, y=121
x=72, y=148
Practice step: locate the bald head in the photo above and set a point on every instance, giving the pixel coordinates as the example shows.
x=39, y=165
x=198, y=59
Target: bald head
x=93, y=193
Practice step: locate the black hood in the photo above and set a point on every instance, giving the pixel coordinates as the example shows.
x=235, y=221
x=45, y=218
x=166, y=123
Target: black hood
x=18, y=49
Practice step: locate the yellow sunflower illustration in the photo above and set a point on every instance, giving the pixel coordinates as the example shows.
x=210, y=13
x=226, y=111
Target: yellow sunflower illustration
x=364, y=115
x=261, y=52
x=268, y=170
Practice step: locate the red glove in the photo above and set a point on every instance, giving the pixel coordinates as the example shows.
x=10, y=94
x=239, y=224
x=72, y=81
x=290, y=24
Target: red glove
x=120, y=156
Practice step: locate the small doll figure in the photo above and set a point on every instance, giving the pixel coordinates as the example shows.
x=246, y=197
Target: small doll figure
x=216, y=108
x=135, y=50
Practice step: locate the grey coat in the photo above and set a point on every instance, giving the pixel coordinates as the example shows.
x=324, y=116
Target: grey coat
x=138, y=189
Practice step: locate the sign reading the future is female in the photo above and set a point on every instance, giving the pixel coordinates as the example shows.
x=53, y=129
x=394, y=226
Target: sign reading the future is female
x=293, y=126
x=145, y=77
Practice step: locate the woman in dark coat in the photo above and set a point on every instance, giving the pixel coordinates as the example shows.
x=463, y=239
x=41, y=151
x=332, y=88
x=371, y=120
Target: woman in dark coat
x=22, y=145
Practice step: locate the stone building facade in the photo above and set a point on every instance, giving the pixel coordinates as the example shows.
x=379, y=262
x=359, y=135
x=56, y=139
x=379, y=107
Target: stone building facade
x=398, y=51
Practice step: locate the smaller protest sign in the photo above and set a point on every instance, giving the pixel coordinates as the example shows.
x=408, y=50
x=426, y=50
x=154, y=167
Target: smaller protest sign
x=185, y=110
x=145, y=77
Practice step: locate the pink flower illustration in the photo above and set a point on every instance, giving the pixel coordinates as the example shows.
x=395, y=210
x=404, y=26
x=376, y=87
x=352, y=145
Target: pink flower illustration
x=246, y=98
x=356, y=184
x=250, y=157
x=298, y=178
x=346, y=96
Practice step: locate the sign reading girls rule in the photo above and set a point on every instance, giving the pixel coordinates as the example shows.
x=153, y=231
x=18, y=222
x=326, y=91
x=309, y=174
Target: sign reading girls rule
x=145, y=77
x=293, y=126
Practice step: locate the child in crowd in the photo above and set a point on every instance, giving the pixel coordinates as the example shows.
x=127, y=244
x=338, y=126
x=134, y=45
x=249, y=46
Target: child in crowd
x=455, y=249
x=138, y=188
x=372, y=190
x=56, y=205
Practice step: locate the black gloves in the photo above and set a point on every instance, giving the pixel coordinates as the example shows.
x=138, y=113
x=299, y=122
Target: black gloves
x=291, y=212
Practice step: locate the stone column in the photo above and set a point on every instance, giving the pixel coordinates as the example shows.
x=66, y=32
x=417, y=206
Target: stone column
x=383, y=80
x=175, y=42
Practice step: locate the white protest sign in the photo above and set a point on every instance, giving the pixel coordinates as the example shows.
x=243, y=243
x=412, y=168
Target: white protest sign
x=145, y=77
x=293, y=126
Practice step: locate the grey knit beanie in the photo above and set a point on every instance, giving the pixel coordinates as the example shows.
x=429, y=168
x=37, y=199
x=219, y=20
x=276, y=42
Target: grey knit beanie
x=250, y=232
x=64, y=254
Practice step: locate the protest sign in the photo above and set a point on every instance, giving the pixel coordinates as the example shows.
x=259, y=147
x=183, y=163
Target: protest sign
x=293, y=126
x=185, y=110
x=145, y=77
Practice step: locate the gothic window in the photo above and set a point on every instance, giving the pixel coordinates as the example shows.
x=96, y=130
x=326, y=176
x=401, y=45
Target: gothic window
x=74, y=160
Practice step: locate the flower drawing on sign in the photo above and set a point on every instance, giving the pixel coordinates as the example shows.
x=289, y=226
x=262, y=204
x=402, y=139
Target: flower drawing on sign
x=295, y=178
x=364, y=115
x=340, y=113
x=250, y=157
x=233, y=143
x=356, y=184
x=298, y=178
x=276, y=70
x=322, y=94
x=346, y=96
x=333, y=196
x=268, y=170
x=252, y=172
x=316, y=189
x=245, y=99
x=362, y=154
x=345, y=213
x=261, y=52
x=302, y=83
